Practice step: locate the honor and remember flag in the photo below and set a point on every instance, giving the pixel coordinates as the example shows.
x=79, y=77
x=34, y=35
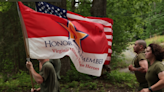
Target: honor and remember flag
x=53, y=37
x=106, y=22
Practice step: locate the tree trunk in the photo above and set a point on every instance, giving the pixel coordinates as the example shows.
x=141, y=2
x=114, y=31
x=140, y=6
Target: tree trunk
x=99, y=8
x=61, y=4
x=73, y=5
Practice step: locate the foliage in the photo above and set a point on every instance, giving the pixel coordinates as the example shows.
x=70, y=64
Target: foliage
x=74, y=75
x=154, y=21
x=128, y=20
x=73, y=84
x=12, y=54
x=88, y=85
x=5, y=6
x=155, y=39
x=17, y=83
x=114, y=79
x=21, y=81
x=120, y=77
x=7, y=65
x=118, y=61
x=82, y=8
x=77, y=81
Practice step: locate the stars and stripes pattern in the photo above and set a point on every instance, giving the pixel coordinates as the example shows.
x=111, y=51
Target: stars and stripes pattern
x=106, y=22
x=51, y=9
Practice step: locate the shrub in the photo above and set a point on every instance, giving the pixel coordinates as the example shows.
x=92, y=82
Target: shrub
x=74, y=75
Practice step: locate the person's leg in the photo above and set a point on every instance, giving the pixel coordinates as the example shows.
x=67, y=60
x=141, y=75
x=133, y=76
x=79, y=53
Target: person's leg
x=143, y=85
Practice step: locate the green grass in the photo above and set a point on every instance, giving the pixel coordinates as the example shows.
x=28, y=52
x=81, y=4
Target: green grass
x=110, y=80
x=20, y=82
x=122, y=79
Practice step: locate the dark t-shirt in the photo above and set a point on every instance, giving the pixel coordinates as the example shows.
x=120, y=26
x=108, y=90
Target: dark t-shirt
x=152, y=74
x=50, y=82
x=140, y=76
x=57, y=65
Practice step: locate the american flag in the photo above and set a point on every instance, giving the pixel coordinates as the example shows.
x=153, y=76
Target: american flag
x=106, y=22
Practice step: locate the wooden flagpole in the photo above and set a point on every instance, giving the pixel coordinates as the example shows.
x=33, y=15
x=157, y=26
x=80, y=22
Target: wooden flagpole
x=25, y=42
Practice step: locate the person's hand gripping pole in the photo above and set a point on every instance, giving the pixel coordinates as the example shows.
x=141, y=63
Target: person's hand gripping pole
x=28, y=60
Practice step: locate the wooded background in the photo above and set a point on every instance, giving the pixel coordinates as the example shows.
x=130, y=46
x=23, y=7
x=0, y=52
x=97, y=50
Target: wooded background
x=133, y=19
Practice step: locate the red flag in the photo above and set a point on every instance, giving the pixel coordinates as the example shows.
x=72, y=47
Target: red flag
x=106, y=22
x=53, y=37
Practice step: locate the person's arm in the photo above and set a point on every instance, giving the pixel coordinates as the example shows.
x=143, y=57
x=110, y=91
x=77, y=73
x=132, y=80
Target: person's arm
x=157, y=86
x=37, y=77
x=38, y=89
x=160, y=83
x=132, y=68
x=40, y=66
x=143, y=66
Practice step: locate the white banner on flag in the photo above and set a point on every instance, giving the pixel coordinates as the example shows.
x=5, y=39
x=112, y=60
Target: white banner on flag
x=58, y=47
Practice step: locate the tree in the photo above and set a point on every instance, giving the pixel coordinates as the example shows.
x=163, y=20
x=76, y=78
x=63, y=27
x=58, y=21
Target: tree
x=12, y=50
x=99, y=8
x=154, y=21
x=128, y=22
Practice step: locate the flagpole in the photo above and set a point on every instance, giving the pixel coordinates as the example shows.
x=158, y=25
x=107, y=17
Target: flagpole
x=25, y=44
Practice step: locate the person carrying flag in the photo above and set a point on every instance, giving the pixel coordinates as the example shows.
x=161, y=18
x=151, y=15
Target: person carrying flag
x=57, y=65
x=47, y=76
